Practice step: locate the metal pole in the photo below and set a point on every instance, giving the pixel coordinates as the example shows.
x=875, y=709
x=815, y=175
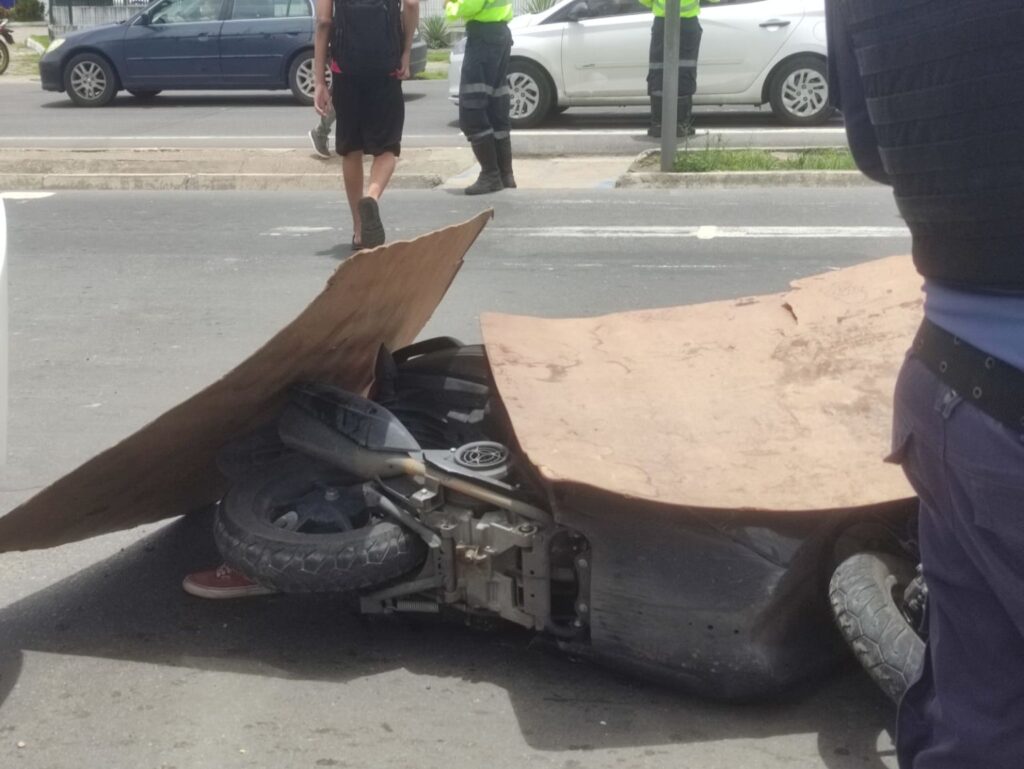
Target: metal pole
x=670, y=86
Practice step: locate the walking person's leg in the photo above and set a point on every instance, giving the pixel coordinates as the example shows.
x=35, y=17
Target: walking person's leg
x=383, y=109
x=352, y=175
x=320, y=135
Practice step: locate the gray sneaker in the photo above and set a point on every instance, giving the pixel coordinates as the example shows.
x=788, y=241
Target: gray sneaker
x=319, y=142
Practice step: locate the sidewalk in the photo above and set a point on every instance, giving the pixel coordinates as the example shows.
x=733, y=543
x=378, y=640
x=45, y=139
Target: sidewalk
x=449, y=168
x=270, y=169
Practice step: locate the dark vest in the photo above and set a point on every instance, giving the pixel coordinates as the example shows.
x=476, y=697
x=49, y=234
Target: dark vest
x=944, y=83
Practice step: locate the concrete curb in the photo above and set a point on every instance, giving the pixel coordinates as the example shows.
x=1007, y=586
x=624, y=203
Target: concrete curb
x=206, y=182
x=726, y=179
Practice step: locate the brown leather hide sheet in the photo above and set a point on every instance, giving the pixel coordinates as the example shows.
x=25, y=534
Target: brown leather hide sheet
x=780, y=402
x=383, y=296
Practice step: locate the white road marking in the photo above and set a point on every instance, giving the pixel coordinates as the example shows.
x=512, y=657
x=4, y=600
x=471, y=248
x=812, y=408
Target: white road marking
x=706, y=232
x=296, y=232
x=25, y=195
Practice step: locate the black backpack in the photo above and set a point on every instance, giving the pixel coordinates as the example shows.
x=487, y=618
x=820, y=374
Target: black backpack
x=367, y=36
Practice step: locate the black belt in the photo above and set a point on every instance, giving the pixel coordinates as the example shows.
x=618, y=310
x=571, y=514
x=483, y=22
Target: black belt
x=994, y=386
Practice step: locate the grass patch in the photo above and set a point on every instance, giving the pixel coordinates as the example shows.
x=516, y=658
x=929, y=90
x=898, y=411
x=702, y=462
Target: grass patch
x=438, y=54
x=705, y=160
x=43, y=40
x=24, y=61
x=433, y=74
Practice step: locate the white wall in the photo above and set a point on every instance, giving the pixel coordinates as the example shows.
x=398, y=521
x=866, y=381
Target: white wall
x=3, y=333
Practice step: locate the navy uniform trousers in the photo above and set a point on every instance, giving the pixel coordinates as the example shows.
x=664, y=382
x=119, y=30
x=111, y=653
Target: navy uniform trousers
x=967, y=709
x=484, y=96
x=690, y=33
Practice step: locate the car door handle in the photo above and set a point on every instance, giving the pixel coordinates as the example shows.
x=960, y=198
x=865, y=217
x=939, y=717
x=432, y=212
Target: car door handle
x=775, y=23
x=203, y=36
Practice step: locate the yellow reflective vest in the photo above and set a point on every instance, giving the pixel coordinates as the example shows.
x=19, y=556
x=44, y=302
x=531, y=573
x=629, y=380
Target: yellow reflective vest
x=479, y=10
x=687, y=8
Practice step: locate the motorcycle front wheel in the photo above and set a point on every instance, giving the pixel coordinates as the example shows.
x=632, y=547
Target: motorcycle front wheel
x=300, y=526
x=867, y=594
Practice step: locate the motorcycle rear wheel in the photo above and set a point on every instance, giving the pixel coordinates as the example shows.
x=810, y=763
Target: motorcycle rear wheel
x=5, y=57
x=318, y=555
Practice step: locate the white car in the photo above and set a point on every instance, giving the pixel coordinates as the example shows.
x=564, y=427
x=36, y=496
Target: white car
x=593, y=53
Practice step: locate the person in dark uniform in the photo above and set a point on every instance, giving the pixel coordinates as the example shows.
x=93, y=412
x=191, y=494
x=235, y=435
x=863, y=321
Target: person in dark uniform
x=689, y=47
x=484, y=96
x=931, y=95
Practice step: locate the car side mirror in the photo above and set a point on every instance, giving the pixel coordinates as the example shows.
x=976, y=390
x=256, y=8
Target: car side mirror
x=580, y=10
x=143, y=20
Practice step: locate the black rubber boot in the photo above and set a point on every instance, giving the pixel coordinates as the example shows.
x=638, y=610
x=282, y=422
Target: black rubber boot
x=504, y=150
x=490, y=178
x=684, y=117
x=655, y=130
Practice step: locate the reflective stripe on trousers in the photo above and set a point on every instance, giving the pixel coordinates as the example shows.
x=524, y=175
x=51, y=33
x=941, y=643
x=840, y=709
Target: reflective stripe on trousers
x=484, y=95
x=690, y=33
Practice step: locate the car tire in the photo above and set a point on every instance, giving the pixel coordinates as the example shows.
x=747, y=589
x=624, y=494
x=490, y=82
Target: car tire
x=300, y=78
x=144, y=95
x=322, y=557
x=90, y=81
x=799, y=91
x=866, y=593
x=532, y=94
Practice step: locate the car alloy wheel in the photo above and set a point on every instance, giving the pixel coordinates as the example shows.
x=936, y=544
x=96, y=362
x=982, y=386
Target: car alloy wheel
x=805, y=93
x=304, y=78
x=525, y=95
x=89, y=80
x=301, y=80
x=799, y=91
x=530, y=93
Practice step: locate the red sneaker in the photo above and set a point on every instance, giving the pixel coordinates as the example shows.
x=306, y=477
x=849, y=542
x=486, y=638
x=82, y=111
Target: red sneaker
x=222, y=582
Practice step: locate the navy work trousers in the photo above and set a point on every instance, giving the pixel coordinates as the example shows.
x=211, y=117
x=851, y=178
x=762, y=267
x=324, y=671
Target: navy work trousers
x=967, y=709
x=690, y=33
x=484, y=96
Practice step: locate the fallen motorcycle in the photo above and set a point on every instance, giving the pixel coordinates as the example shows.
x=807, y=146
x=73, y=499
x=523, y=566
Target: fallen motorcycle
x=417, y=501
x=6, y=39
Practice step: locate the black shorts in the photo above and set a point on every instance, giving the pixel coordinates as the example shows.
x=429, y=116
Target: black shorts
x=371, y=114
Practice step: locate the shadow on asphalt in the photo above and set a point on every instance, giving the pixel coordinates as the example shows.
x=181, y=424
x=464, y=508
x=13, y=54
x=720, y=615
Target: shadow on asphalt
x=131, y=607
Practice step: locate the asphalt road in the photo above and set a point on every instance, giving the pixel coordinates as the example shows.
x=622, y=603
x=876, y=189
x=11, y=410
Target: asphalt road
x=124, y=304
x=32, y=117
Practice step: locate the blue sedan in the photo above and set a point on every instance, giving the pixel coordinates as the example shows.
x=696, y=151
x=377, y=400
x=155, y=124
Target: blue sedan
x=191, y=44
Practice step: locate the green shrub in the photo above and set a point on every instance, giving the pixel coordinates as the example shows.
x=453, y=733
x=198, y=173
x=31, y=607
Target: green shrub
x=435, y=32
x=3, y=13
x=537, y=6
x=27, y=10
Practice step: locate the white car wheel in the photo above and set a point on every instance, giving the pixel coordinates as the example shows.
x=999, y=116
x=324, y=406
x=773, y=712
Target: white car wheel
x=531, y=94
x=799, y=92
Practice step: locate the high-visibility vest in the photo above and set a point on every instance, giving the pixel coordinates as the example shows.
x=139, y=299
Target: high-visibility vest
x=479, y=10
x=687, y=8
